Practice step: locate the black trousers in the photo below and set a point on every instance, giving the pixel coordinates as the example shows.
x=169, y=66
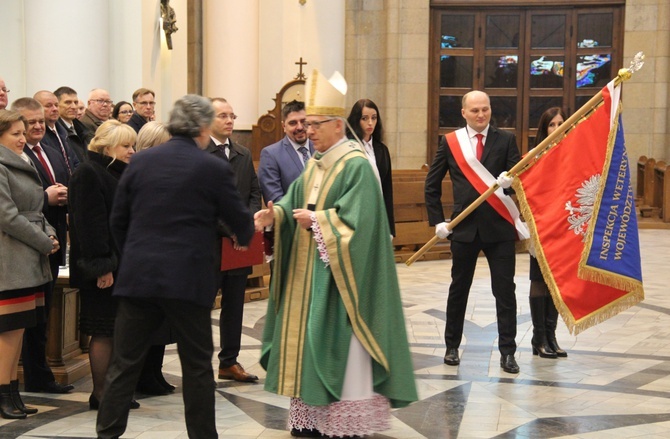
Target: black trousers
x=501, y=258
x=230, y=319
x=36, y=372
x=136, y=321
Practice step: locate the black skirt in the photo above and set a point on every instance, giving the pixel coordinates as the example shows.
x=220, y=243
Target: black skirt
x=21, y=308
x=98, y=312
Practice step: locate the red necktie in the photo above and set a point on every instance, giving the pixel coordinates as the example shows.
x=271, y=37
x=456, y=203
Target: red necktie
x=38, y=152
x=480, y=146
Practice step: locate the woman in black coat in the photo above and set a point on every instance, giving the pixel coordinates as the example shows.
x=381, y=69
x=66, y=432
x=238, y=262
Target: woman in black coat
x=366, y=122
x=543, y=312
x=94, y=257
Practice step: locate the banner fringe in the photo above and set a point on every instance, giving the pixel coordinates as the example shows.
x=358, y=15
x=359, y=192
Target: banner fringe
x=604, y=313
x=604, y=277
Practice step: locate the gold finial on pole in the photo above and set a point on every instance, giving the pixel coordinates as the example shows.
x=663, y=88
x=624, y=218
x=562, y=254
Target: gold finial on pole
x=635, y=65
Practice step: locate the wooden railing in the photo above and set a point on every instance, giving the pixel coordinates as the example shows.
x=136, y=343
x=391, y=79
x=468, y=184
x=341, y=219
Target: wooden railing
x=653, y=189
x=411, y=219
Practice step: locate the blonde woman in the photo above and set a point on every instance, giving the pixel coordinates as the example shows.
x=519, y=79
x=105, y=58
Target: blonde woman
x=151, y=134
x=152, y=381
x=94, y=257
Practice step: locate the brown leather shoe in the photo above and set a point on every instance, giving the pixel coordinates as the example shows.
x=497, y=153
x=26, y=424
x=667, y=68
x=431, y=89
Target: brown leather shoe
x=236, y=372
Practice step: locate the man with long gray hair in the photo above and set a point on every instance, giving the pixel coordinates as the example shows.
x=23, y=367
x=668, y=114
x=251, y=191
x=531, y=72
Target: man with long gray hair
x=167, y=207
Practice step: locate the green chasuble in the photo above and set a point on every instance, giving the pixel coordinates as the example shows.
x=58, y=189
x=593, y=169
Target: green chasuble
x=314, y=308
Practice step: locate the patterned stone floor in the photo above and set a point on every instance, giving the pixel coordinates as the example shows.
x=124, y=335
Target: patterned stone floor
x=614, y=384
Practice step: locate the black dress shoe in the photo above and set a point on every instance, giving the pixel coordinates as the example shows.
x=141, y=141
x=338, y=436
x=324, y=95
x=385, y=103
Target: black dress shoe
x=151, y=386
x=52, y=387
x=451, y=358
x=508, y=363
x=305, y=433
x=162, y=382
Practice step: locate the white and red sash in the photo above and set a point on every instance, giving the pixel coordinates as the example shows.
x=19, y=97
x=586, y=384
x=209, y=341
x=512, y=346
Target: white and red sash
x=481, y=179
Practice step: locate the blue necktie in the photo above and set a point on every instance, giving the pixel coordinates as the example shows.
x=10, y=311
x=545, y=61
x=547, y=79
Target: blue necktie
x=305, y=155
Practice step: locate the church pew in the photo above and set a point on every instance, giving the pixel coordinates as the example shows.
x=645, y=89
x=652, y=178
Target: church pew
x=645, y=186
x=411, y=219
x=662, y=190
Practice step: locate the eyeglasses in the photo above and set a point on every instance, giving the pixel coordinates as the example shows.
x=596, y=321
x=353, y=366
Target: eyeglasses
x=103, y=101
x=126, y=112
x=317, y=123
x=146, y=103
x=224, y=116
x=5, y=90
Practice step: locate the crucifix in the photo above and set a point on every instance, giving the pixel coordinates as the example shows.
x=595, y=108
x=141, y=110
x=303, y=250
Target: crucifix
x=301, y=75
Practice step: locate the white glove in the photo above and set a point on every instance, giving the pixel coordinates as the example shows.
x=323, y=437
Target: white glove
x=504, y=181
x=442, y=231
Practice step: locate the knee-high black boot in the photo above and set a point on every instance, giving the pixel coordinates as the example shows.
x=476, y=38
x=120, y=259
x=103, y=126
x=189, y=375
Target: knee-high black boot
x=539, y=341
x=551, y=320
x=7, y=408
x=16, y=398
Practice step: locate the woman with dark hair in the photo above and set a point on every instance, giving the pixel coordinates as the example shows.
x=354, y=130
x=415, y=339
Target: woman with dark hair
x=122, y=111
x=26, y=240
x=94, y=257
x=542, y=310
x=366, y=122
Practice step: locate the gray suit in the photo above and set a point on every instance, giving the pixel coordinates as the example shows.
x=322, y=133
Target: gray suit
x=23, y=244
x=279, y=167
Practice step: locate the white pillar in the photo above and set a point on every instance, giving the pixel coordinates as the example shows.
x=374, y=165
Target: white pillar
x=163, y=71
x=12, y=59
x=66, y=43
x=313, y=31
x=126, y=23
x=231, y=54
x=322, y=35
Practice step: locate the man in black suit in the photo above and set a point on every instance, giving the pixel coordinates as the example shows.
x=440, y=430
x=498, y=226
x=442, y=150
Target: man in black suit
x=473, y=156
x=144, y=101
x=165, y=221
x=78, y=136
x=54, y=175
x=233, y=282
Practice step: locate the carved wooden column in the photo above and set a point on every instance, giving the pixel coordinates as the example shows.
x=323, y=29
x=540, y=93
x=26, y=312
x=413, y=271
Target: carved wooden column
x=194, y=42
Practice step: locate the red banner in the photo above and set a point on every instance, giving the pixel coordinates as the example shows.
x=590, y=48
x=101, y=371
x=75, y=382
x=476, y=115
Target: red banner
x=557, y=196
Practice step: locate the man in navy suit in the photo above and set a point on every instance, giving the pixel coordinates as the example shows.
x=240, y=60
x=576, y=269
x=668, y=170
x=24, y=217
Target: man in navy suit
x=55, y=135
x=282, y=162
x=473, y=156
x=165, y=220
x=55, y=177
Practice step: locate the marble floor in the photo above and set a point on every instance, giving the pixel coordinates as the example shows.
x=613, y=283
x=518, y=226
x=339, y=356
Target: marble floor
x=614, y=384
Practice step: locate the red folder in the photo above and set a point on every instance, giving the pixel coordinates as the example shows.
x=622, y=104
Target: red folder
x=231, y=258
